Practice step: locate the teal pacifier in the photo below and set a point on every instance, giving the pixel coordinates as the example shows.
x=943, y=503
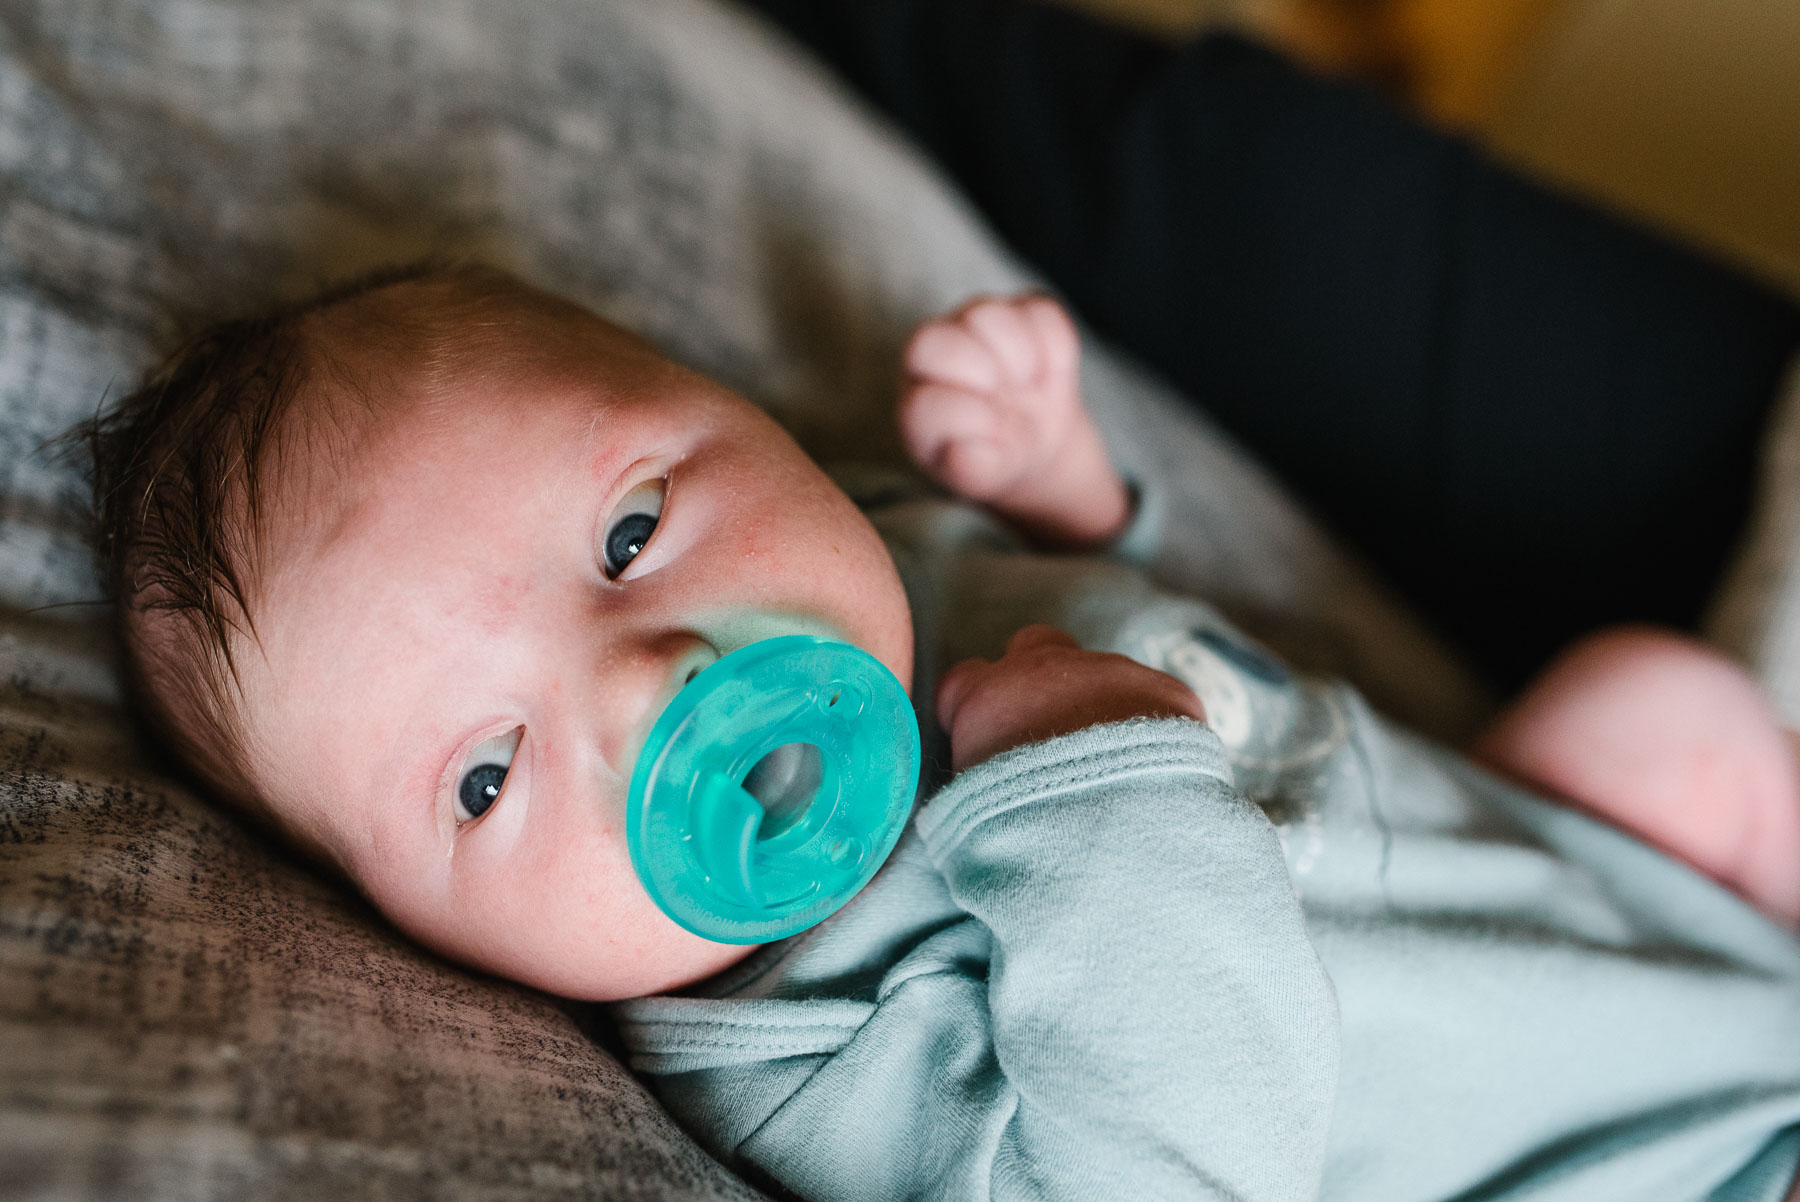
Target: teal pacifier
x=772, y=788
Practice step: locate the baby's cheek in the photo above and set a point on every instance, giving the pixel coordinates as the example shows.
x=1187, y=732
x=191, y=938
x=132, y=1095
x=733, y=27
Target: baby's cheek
x=616, y=944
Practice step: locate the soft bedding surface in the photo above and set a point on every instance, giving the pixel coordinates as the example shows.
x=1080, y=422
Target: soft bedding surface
x=185, y=1011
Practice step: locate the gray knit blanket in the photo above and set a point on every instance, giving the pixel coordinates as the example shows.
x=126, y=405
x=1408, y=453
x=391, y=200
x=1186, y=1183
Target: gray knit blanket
x=185, y=1010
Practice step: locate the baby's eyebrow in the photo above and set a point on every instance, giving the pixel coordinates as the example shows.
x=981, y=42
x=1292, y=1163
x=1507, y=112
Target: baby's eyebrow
x=587, y=463
x=586, y=444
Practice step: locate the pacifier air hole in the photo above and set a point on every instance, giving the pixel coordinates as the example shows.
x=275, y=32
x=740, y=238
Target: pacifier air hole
x=785, y=782
x=842, y=700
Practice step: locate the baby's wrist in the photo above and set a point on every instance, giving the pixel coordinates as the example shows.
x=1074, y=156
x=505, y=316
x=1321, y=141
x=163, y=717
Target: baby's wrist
x=1080, y=502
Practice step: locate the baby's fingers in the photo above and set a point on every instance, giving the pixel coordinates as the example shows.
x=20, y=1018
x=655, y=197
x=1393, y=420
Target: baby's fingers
x=962, y=440
x=1039, y=635
x=947, y=353
x=935, y=416
x=967, y=677
x=966, y=674
x=1059, y=343
x=1003, y=328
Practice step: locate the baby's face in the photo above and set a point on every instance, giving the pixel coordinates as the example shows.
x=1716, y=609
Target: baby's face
x=466, y=636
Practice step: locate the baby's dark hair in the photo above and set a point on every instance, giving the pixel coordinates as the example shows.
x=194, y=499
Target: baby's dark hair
x=178, y=471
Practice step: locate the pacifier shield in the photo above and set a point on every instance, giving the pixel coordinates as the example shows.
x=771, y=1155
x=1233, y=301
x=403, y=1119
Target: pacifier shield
x=772, y=788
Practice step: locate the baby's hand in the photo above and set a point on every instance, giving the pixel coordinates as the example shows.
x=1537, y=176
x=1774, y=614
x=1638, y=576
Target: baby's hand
x=1046, y=685
x=992, y=410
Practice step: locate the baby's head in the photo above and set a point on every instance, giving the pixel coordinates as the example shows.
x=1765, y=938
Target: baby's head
x=410, y=571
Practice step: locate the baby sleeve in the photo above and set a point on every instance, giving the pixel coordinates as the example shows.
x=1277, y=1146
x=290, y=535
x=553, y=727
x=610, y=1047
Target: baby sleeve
x=1127, y=1007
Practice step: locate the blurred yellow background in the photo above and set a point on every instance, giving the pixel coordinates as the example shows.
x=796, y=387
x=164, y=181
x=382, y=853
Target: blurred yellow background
x=1684, y=112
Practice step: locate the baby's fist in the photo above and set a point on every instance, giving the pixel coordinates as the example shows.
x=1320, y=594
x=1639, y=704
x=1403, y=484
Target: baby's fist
x=1046, y=685
x=992, y=410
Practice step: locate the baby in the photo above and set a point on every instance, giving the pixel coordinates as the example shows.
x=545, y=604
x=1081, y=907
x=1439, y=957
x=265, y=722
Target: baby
x=410, y=570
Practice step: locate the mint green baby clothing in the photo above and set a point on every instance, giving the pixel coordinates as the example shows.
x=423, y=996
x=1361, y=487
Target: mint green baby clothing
x=1293, y=953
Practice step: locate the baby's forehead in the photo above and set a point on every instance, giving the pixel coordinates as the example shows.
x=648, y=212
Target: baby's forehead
x=442, y=331
x=387, y=369
x=418, y=398
x=427, y=388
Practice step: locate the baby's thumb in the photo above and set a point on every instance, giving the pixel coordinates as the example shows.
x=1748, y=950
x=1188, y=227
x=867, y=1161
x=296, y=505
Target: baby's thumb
x=954, y=688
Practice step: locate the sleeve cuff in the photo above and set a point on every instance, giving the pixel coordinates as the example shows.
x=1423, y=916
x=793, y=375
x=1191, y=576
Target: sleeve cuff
x=1137, y=544
x=1092, y=756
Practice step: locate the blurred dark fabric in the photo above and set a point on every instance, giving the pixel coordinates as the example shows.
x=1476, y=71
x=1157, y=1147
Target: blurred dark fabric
x=1533, y=417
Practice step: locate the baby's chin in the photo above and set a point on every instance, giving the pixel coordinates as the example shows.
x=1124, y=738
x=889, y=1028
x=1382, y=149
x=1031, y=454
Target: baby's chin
x=642, y=978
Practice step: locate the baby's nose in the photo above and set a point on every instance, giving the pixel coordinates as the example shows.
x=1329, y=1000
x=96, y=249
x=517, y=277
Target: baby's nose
x=642, y=679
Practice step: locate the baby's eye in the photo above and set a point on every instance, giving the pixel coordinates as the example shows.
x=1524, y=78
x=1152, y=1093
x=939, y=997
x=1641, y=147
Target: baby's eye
x=484, y=772
x=630, y=526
